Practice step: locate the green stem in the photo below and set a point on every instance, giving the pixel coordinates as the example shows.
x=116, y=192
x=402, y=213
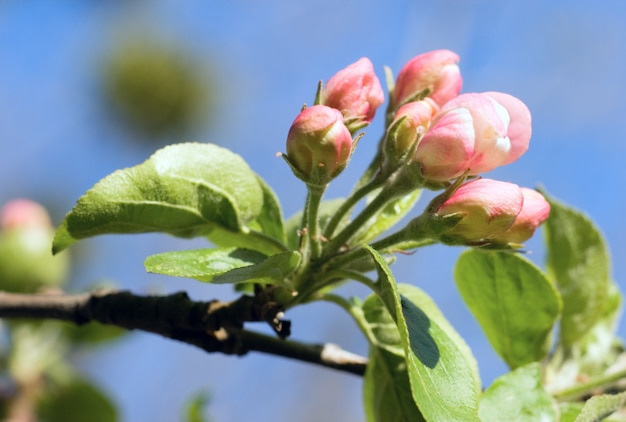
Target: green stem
x=349, y=203
x=356, y=312
x=347, y=232
x=581, y=390
x=417, y=233
x=310, y=220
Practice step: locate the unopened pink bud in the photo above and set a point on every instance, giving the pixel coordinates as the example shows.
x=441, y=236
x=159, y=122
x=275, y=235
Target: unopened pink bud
x=476, y=133
x=319, y=144
x=356, y=92
x=535, y=210
x=435, y=73
x=416, y=116
x=489, y=207
x=24, y=213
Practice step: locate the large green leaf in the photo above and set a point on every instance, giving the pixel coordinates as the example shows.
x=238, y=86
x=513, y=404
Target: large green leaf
x=270, y=218
x=518, y=396
x=443, y=374
x=578, y=260
x=201, y=264
x=513, y=301
x=185, y=190
x=225, y=265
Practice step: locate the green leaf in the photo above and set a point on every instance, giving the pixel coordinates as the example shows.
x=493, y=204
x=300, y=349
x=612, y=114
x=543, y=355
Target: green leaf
x=578, y=260
x=570, y=411
x=93, y=333
x=202, y=264
x=442, y=372
x=598, y=408
x=386, y=388
x=195, y=408
x=518, y=396
x=77, y=401
x=270, y=218
x=185, y=190
x=513, y=301
x=274, y=270
x=388, y=216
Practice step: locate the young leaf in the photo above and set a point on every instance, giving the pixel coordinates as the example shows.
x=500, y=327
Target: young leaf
x=443, y=375
x=513, y=301
x=185, y=190
x=518, y=396
x=202, y=264
x=578, y=261
x=274, y=270
x=388, y=216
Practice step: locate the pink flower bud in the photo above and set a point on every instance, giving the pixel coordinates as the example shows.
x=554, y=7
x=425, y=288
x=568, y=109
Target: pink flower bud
x=475, y=132
x=436, y=72
x=24, y=213
x=319, y=145
x=535, y=210
x=489, y=207
x=356, y=92
x=417, y=116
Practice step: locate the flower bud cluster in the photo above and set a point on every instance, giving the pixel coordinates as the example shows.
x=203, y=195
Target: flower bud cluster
x=434, y=130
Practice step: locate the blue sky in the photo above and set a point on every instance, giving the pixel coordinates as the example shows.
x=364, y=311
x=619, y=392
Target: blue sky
x=565, y=59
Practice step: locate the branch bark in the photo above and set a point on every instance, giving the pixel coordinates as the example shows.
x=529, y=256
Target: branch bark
x=212, y=326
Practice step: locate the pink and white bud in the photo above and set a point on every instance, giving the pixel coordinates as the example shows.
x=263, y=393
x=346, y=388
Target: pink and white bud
x=435, y=73
x=476, y=132
x=489, y=207
x=23, y=212
x=356, y=92
x=416, y=117
x=535, y=210
x=319, y=144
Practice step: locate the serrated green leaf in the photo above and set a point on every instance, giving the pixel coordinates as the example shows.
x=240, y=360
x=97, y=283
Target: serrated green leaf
x=185, y=190
x=578, y=260
x=388, y=217
x=570, y=411
x=513, y=301
x=273, y=270
x=598, y=408
x=443, y=375
x=77, y=401
x=202, y=264
x=518, y=396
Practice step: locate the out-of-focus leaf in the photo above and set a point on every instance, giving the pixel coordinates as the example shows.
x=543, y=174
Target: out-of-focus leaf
x=93, y=333
x=518, y=396
x=185, y=190
x=578, y=261
x=195, y=409
x=513, y=301
x=78, y=401
x=442, y=372
x=598, y=408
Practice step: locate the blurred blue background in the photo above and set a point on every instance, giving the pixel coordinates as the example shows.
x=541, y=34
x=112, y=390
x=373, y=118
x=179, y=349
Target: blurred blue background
x=565, y=59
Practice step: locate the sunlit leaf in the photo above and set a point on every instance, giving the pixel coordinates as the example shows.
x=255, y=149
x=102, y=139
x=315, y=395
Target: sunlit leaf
x=201, y=264
x=513, y=301
x=518, y=396
x=598, y=408
x=442, y=372
x=578, y=261
x=185, y=190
